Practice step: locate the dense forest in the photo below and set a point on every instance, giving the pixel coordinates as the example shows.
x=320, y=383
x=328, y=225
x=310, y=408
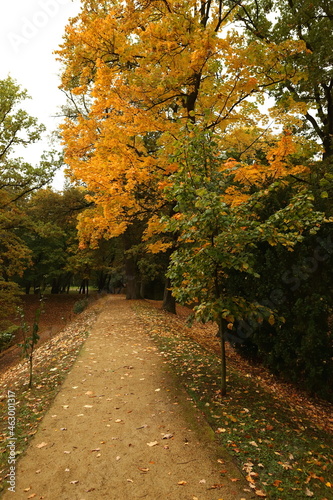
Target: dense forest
x=198, y=142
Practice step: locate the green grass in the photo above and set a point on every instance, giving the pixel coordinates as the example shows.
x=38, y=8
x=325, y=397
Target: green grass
x=278, y=448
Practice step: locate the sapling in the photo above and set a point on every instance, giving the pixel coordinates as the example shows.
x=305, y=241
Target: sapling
x=29, y=341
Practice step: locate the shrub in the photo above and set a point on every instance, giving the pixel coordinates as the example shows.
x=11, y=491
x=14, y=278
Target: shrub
x=80, y=306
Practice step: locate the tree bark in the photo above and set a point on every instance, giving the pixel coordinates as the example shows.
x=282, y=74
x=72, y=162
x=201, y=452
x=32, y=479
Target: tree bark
x=223, y=359
x=131, y=268
x=132, y=282
x=169, y=301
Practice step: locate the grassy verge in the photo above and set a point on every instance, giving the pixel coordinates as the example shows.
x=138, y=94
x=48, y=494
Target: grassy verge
x=52, y=362
x=282, y=454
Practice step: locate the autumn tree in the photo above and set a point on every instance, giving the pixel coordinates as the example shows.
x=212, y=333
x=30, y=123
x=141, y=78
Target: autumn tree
x=302, y=350
x=136, y=73
x=223, y=217
x=160, y=93
x=52, y=237
x=311, y=22
x=17, y=180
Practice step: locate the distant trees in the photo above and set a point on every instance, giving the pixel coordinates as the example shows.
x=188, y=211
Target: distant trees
x=18, y=180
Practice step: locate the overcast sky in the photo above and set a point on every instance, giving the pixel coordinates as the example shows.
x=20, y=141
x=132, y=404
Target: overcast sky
x=30, y=30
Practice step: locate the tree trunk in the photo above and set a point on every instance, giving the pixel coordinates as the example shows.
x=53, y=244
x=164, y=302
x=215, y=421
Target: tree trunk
x=55, y=286
x=131, y=269
x=132, y=286
x=169, y=301
x=223, y=359
x=84, y=288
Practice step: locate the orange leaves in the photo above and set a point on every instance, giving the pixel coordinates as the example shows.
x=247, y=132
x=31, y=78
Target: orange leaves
x=138, y=77
x=280, y=165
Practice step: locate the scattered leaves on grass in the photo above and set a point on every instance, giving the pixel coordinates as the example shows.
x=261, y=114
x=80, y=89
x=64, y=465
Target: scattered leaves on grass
x=275, y=438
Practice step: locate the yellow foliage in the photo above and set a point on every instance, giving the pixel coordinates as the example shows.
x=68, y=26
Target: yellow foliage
x=144, y=71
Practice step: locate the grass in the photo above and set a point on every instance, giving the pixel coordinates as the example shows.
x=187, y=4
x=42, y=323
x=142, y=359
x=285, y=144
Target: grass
x=282, y=454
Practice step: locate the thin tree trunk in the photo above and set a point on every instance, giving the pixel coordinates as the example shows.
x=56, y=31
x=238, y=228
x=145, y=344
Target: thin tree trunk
x=169, y=301
x=30, y=369
x=223, y=359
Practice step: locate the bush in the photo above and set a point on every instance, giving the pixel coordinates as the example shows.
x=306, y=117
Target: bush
x=7, y=337
x=80, y=306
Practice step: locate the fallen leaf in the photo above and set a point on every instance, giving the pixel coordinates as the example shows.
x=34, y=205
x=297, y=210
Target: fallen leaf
x=216, y=487
x=143, y=469
x=152, y=443
x=202, y=481
x=118, y=420
x=308, y=492
x=253, y=443
x=88, y=406
x=74, y=482
x=182, y=483
x=260, y=493
x=41, y=445
x=167, y=436
x=220, y=430
x=32, y=496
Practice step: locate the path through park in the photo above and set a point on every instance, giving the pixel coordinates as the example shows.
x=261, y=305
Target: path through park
x=121, y=429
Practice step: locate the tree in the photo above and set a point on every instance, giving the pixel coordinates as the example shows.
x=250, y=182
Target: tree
x=52, y=237
x=302, y=350
x=136, y=73
x=311, y=96
x=17, y=180
x=220, y=222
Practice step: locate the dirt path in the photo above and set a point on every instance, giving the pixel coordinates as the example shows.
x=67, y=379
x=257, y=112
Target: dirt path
x=119, y=429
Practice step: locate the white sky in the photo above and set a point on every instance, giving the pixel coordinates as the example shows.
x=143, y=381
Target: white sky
x=30, y=30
